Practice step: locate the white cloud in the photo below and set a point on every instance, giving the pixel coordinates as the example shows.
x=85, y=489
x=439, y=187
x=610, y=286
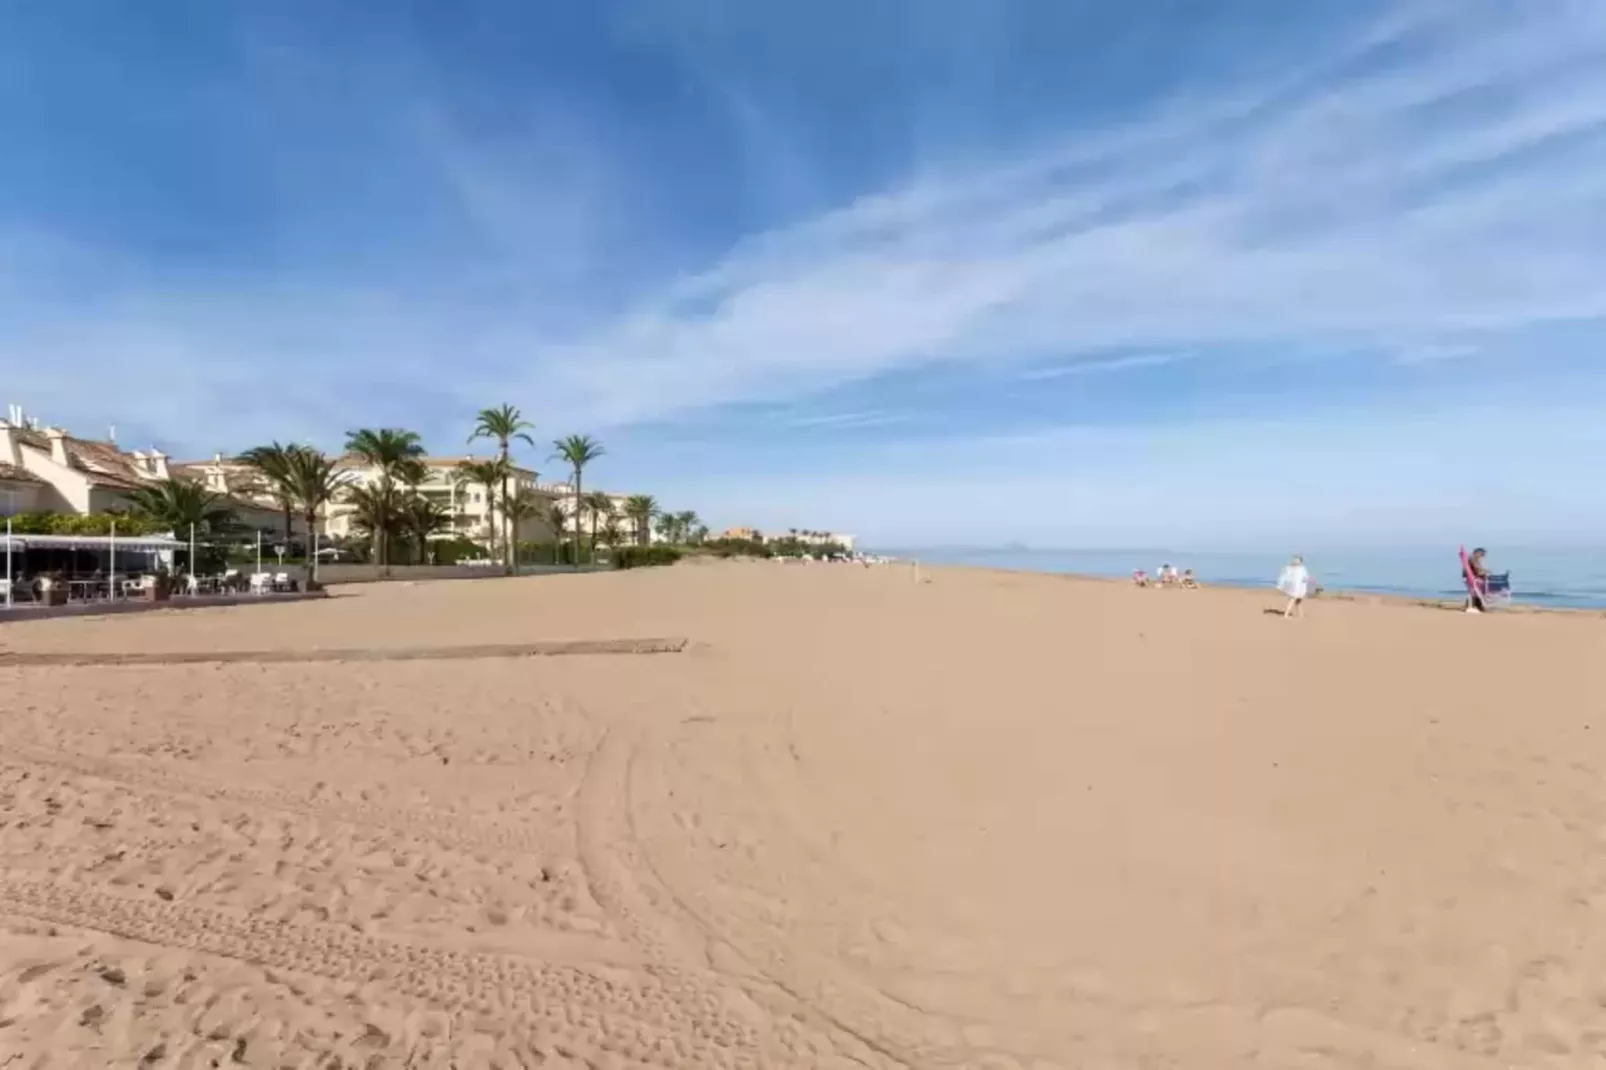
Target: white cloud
x=1095, y=365
x=866, y=418
x=1396, y=206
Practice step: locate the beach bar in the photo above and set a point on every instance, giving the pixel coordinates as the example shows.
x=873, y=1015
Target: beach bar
x=91, y=566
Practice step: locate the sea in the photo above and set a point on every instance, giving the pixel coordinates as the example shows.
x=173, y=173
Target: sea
x=1556, y=578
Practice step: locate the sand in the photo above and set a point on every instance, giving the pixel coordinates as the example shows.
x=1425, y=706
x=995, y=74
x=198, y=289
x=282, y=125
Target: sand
x=987, y=821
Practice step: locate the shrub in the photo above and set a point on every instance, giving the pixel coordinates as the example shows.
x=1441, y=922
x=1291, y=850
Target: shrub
x=451, y=551
x=545, y=553
x=93, y=524
x=645, y=556
x=737, y=548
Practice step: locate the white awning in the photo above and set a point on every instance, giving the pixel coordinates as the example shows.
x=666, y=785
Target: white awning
x=139, y=543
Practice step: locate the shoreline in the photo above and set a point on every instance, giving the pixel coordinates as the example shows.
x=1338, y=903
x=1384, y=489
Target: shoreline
x=1335, y=594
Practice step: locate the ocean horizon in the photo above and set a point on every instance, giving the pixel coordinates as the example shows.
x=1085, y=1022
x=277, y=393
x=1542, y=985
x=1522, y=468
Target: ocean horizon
x=1551, y=577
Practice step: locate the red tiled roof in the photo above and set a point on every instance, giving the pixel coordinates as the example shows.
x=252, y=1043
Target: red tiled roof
x=10, y=473
x=102, y=462
x=29, y=437
x=105, y=464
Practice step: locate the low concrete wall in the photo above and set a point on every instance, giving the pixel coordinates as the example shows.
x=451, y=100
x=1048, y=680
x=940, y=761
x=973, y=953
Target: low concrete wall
x=344, y=573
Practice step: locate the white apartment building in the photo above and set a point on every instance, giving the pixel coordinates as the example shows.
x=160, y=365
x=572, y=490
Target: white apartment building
x=49, y=470
x=473, y=517
x=563, y=493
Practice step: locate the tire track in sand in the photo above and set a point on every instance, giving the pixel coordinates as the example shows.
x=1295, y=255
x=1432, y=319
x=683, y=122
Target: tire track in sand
x=607, y=836
x=644, y=1015
x=438, y=826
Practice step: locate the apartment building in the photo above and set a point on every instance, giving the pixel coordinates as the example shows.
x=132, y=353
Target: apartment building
x=473, y=517
x=50, y=470
x=563, y=493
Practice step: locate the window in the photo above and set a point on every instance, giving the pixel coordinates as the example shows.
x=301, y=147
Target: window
x=10, y=501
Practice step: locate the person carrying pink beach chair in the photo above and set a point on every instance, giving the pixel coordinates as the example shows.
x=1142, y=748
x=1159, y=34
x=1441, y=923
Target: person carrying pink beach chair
x=1484, y=588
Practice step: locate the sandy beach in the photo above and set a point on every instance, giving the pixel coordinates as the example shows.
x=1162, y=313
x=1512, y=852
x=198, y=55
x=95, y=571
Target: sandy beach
x=986, y=821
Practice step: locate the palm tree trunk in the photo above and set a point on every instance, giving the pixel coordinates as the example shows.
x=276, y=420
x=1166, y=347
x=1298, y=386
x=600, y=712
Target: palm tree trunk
x=312, y=558
x=288, y=526
x=490, y=520
x=579, y=521
x=507, y=541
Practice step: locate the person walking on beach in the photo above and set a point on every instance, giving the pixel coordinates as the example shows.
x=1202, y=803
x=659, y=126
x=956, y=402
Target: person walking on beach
x=1477, y=575
x=1295, y=583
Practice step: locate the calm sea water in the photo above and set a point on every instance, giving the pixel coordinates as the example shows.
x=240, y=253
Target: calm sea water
x=1560, y=578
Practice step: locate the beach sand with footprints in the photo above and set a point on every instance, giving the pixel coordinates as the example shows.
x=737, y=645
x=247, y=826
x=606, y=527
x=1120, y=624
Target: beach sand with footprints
x=827, y=817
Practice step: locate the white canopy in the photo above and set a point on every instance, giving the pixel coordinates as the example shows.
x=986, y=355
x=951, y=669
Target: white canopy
x=133, y=543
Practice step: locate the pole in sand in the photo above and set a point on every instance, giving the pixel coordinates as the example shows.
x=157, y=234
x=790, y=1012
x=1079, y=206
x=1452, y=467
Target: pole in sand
x=259, y=550
x=8, y=562
x=111, y=582
x=193, y=587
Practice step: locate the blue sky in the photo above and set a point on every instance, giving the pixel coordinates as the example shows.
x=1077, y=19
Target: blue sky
x=1059, y=272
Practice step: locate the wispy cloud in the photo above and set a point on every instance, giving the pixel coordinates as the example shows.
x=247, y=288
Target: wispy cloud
x=1419, y=182
x=868, y=418
x=1441, y=180
x=1094, y=365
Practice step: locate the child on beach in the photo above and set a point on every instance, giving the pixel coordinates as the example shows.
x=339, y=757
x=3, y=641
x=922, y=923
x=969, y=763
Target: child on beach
x=1295, y=583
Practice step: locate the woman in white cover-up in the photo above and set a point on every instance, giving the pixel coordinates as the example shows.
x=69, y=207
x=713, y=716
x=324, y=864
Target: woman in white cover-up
x=1295, y=583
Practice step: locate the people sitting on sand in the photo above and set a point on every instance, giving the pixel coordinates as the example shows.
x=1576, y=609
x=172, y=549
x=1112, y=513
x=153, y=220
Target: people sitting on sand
x=1141, y=578
x=1168, y=575
x=1188, y=582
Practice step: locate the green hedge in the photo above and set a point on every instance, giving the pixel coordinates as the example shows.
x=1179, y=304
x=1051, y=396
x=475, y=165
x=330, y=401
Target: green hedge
x=736, y=548
x=646, y=556
x=73, y=524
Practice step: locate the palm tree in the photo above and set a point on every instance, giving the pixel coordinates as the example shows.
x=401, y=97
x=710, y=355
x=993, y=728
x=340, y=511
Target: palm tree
x=556, y=518
x=577, y=451
x=179, y=503
x=270, y=464
x=599, y=505
x=641, y=508
x=666, y=527
x=504, y=425
x=523, y=505
x=421, y=518
x=612, y=536
x=489, y=474
x=396, y=453
x=312, y=480
x=375, y=511
x=684, y=522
